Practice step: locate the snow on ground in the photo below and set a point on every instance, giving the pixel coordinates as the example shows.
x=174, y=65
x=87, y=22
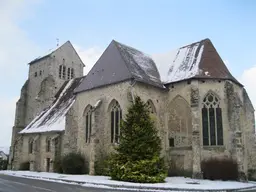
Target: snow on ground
x=171, y=182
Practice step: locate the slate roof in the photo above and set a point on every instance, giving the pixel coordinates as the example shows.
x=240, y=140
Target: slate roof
x=53, y=118
x=120, y=63
x=196, y=60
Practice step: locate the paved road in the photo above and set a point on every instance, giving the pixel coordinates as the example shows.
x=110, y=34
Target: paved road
x=18, y=184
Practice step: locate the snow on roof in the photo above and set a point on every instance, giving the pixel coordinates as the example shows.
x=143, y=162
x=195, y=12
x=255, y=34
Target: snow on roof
x=140, y=64
x=97, y=104
x=54, y=117
x=4, y=149
x=182, y=63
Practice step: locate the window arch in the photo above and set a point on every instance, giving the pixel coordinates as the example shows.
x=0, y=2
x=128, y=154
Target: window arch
x=212, y=120
x=115, y=119
x=30, y=145
x=88, y=123
x=48, y=144
x=179, y=123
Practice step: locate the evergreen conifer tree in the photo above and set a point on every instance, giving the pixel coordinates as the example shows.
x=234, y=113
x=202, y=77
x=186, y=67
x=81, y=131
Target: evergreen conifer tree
x=137, y=157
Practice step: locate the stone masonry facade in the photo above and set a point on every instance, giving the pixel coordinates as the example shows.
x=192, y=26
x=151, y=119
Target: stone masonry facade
x=177, y=110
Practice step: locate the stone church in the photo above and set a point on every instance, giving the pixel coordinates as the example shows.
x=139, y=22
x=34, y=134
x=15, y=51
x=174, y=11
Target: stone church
x=200, y=109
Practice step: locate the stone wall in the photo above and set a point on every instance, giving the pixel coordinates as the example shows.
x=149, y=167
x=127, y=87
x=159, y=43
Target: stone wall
x=40, y=153
x=100, y=119
x=248, y=126
x=178, y=115
x=39, y=92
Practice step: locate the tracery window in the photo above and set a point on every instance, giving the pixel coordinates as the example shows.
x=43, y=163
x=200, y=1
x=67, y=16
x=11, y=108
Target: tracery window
x=116, y=116
x=151, y=107
x=88, y=123
x=212, y=121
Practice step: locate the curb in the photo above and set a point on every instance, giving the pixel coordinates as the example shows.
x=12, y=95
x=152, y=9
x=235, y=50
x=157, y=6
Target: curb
x=119, y=186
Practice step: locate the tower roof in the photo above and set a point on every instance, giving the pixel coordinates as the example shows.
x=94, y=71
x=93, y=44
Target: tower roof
x=118, y=63
x=51, y=51
x=196, y=60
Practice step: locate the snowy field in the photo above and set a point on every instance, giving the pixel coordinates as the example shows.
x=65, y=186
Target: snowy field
x=103, y=181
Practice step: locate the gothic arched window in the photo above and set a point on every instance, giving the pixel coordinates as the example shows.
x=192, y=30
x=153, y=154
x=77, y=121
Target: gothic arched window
x=48, y=144
x=30, y=145
x=88, y=123
x=116, y=116
x=212, y=120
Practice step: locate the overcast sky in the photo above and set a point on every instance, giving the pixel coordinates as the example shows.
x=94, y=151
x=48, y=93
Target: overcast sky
x=29, y=28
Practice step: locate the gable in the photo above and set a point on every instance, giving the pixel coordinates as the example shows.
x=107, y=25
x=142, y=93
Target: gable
x=68, y=52
x=109, y=69
x=120, y=63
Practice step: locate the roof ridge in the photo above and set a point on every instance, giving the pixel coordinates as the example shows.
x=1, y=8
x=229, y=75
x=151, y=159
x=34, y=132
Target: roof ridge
x=191, y=44
x=119, y=51
x=141, y=69
x=49, y=52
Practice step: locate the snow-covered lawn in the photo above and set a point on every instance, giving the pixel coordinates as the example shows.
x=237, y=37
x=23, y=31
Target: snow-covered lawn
x=171, y=182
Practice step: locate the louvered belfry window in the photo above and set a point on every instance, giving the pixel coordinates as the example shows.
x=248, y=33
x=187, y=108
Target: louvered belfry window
x=212, y=121
x=60, y=71
x=116, y=116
